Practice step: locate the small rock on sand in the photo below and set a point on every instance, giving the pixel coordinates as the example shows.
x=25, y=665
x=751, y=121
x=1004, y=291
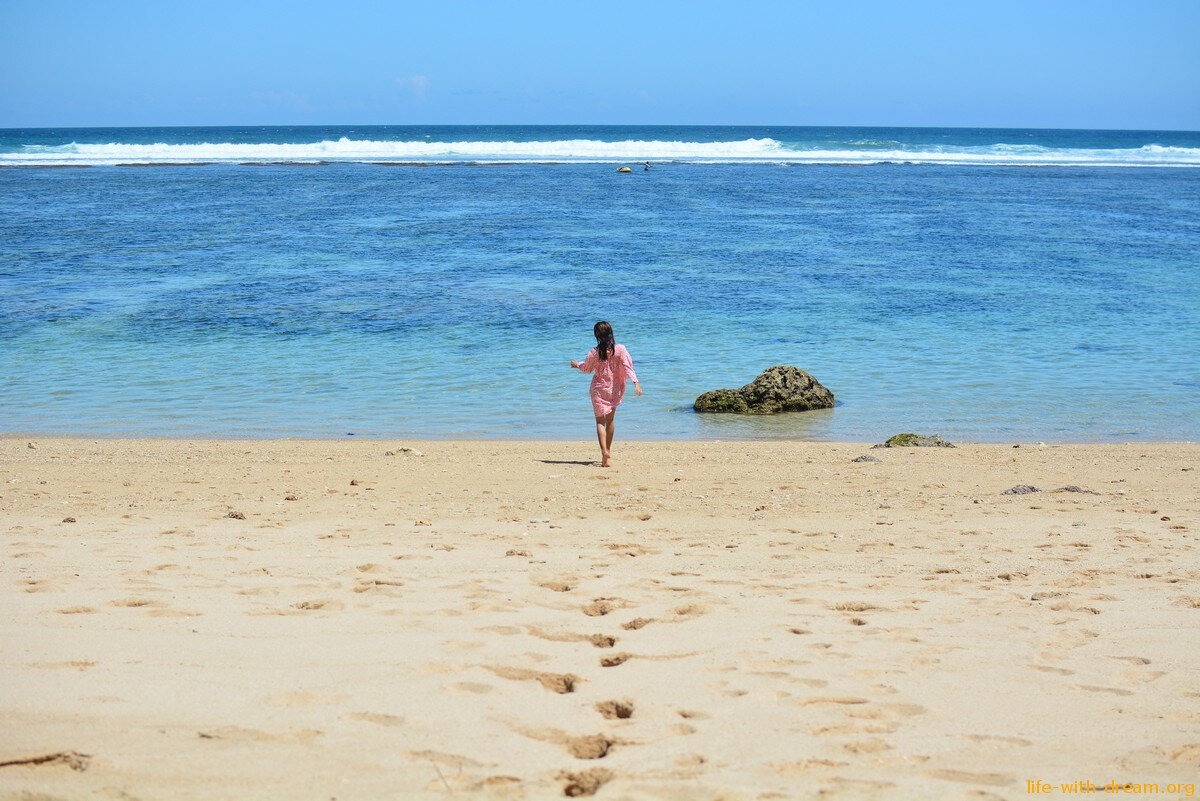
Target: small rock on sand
x=866, y=457
x=1021, y=489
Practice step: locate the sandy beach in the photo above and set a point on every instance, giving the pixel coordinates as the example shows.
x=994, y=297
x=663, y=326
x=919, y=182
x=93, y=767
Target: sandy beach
x=305, y=619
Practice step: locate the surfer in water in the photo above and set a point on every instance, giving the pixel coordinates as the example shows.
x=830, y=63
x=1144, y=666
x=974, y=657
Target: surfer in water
x=646, y=167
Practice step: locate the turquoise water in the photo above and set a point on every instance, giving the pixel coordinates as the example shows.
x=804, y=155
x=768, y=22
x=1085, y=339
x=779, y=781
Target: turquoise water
x=1044, y=296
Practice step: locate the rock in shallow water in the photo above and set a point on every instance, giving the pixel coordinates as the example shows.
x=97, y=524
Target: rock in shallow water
x=916, y=441
x=777, y=389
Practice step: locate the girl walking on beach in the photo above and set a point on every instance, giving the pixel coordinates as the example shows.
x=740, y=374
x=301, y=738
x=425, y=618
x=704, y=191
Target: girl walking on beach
x=610, y=365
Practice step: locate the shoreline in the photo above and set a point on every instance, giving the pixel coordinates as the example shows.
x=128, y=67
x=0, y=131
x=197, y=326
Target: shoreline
x=304, y=619
x=563, y=441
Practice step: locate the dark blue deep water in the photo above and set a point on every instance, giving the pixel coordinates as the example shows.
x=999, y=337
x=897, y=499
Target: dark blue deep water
x=983, y=301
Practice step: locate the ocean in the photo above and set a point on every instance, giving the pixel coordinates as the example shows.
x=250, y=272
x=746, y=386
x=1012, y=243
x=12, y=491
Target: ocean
x=414, y=282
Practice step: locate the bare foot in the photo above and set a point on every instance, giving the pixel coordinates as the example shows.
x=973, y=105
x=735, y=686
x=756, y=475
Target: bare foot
x=604, y=461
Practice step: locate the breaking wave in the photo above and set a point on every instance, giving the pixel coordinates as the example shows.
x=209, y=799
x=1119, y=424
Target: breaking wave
x=763, y=150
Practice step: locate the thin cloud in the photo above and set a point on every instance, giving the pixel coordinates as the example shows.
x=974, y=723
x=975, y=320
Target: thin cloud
x=417, y=84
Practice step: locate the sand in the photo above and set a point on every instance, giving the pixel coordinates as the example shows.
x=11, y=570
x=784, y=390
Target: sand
x=352, y=620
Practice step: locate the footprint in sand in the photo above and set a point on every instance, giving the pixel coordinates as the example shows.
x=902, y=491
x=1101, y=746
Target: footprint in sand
x=135, y=603
x=455, y=761
x=173, y=613
x=558, y=585
x=889, y=711
x=305, y=698
x=966, y=777
x=997, y=738
x=79, y=664
x=602, y=606
x=1133, y=660
x=1050, y=669
x=598, y=640
x=871, y=746
x=473, y=687
x=597, y=608
x=855, y=606
x=71, y=759
x=390, y=588
x=629, y=549
x=847, y=729
x=585, y=782
x=688, y=611
x=1139, y=676
x=312, y=606
x=561, y=683
x=300, y=608
x=838, y=700
x=1188, y=754
x=805, y=766
x=613, y=710
x=1110, y=690
x=243, y=735
x=377, y=718
x=592, y=746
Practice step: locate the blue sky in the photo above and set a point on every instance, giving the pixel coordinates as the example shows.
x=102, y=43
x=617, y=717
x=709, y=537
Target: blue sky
x=1004, y=64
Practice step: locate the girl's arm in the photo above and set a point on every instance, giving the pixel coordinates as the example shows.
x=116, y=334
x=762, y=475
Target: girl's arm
x=627, y=363
x=589, y=362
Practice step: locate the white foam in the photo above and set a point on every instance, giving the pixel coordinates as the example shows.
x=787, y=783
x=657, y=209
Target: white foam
x=370, y=151
x=591, y=150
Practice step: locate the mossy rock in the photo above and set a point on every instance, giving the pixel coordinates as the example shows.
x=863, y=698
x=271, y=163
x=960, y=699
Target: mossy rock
x=728, y=401
x=916, y=441
x=778, y=389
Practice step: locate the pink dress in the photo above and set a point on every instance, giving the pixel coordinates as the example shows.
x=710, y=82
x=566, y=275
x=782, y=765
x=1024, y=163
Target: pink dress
x=608, y=378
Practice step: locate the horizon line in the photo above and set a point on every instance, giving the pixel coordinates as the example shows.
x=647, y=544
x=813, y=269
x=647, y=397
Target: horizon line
x=583, y=125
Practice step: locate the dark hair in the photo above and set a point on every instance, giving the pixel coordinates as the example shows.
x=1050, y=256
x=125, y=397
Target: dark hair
x=604, y=339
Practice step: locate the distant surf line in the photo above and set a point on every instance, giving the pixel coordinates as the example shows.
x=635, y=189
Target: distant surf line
x=586, y=151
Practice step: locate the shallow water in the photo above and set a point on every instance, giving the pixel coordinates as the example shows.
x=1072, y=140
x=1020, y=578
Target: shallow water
x=984, y=303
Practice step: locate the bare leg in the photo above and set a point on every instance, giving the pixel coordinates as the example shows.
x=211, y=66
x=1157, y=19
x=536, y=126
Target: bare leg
x=610, y=425
x=602, y=436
